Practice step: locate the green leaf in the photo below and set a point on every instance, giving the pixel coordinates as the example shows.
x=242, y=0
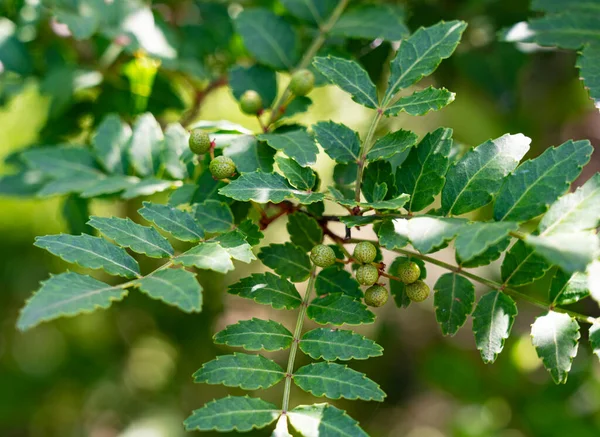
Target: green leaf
x=176, y=287
x=537, y=183
x=429, y=234
x=300, y=177
x=475, y=238
x=349, y=76
x=67, y=294
x=397, y=288
x=337, y=381
x=423, y=174
x=256, y=334
x=304, y=231
x=236, y=245
x=522, y=266
x=62, y=161
x=313, y=11
x=233, y=413
x=340, y=142
x=250, y=155
x=268, y=289
x=68, y=184
x=324, y=420
x=474, y=180
x=298, y=105
x=213, y=216
x=595, y=338
x=146, y=187
x=251, y=232
x=110, y=143
x=420, y=54
x=488, y=256
x=493, y=319
x=422, y=102
x=337, y=309
x=574, y=212
x=295, y=143
x=555, y=337
x=146, y=145
x=208, y=256
x=336, y=280
x=392, y=144
x=179, y=224
x=453, y=300
x=389, y=238
x=359, y=220
x=256, y=78
x=108, y=185
x=287, y=260
x=264, y=188
x=334, y=344
x=379, y=174
x=559, y=5
x=372, y=21
x=249, y=372
x=269, y=38
x=90, y=252
x=176, y=147
x=126, y=233
x=589, y=71
x=567, y=289
x=572, y=252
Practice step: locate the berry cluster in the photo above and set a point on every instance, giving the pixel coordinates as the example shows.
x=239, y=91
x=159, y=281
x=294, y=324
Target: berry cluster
x=221, y=167
x=416, y=290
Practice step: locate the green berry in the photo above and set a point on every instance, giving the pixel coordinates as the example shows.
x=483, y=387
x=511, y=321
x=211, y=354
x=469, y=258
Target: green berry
x=222, y=167
x=417, y=291
x=367, y=274
x=376, y=296
x=199, y=142
x=322, y=255
x=251, y=102
x=302, y=82
x=365, y=252
x=409, y=272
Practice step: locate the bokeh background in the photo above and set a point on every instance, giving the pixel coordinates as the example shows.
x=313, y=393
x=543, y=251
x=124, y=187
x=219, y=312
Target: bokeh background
x=126, y=371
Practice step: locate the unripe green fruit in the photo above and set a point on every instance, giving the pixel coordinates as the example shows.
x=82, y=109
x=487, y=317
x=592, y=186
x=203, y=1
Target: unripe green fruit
x=365, y=252
x=322, y=256
x=222, y=167
x=417, y=291
x=251, y=102
x=302, y=82
x=199, y=142
x=376, y=296
x=367, y=274
x=409, y=272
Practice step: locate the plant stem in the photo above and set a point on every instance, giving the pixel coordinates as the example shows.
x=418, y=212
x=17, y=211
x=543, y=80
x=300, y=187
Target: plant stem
x=294, y=348
x=308, y=55
x=497, y=286
x=364, y=149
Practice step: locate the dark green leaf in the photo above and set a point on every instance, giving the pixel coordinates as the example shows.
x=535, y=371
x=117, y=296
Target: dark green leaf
x=372, y=21
x=126, y=233
x=175, y=287
x=337, y=309
x=567, y=289
x=249, y=372
x=335, y=344
x=110, y=142
x=377, y=174
x=256, y=334
x=422, y=102
x=475, y=238
x=251, y=232
x=493, y=319
x=522, y=266
x=268, y=289
x=109, y=185
x=595, y=338
x=250, y=155
x=392, y=144
x=336, y=280
x=337, y=381
x=304, y=231
x=453, y=300
x=389, y=238
x=295, y=143
x=474, y=180
x=339, y=141
x=572, y=252
x=256, y=78
x=62, y=161
x=313, y=11
x=213, y=216
x=234, y=242
x=287, y=260
x=300, y=177
x=208, y=256
x=178, y=223
x=537, y=183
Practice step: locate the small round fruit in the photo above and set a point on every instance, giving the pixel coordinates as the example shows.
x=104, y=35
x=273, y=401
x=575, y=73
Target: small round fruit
x=222, y=167
x=199, y=142
x=365, y=252
x=417, y=291
x=409, y=272
x=302, y=82
x=376, y=296
x=251, y=102
x=322, y=255
x=367, y=274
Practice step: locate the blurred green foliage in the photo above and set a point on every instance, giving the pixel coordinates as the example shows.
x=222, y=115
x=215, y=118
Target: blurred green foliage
x=126, y=372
